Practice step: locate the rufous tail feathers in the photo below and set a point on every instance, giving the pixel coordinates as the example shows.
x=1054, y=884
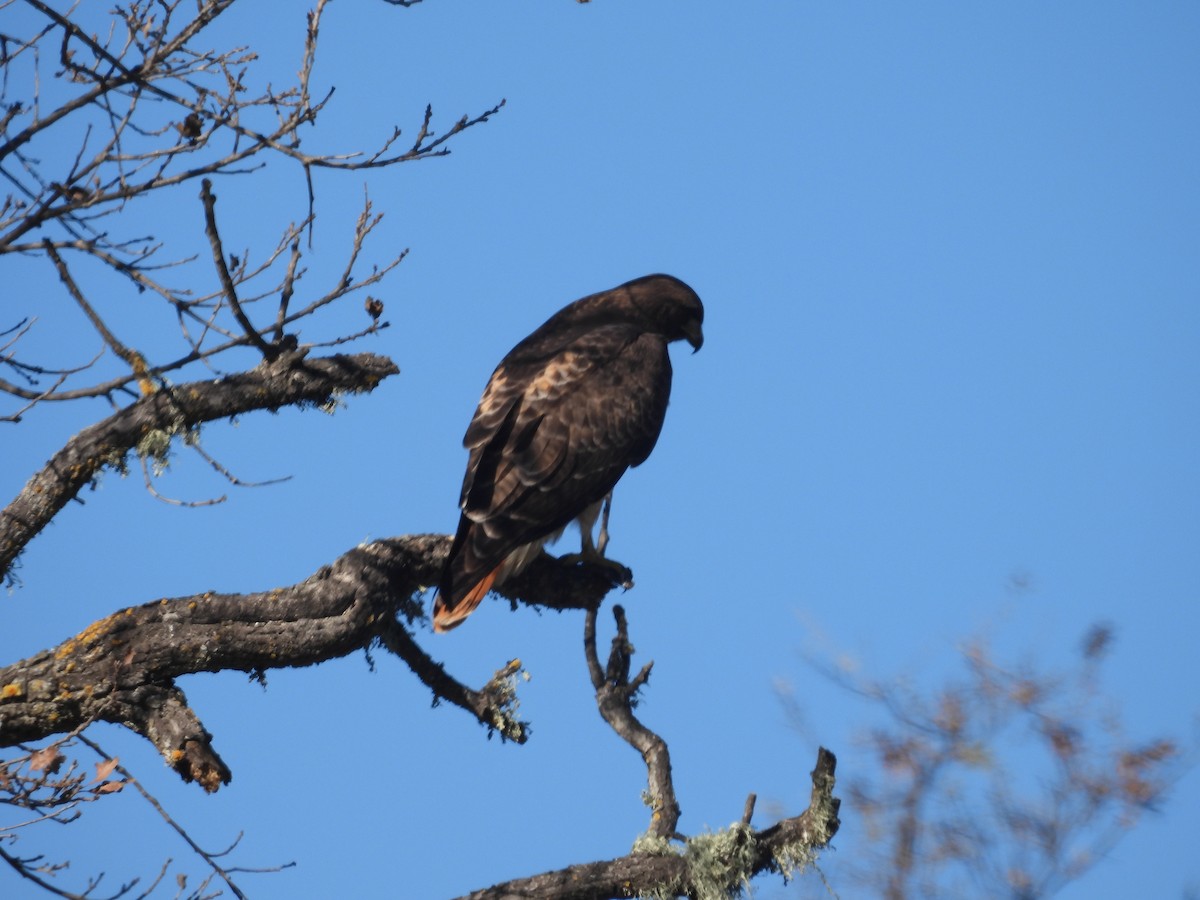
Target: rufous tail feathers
x=445, y=618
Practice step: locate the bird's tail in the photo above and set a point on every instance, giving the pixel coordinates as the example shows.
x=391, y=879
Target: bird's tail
x=446, y=617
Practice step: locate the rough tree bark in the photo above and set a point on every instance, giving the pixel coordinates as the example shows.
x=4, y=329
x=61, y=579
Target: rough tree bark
x=123, y=667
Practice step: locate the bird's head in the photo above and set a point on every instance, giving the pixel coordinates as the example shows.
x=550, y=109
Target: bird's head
x=672, y=307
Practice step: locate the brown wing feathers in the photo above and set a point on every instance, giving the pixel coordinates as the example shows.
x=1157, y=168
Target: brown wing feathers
x=566, y=412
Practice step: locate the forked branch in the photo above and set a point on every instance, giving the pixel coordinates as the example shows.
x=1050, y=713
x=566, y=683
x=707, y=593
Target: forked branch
x=709, y=866
x=123, y=668
x=616, y=696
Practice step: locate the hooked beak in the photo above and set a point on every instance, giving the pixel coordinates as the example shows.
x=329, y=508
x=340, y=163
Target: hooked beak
x=694, y=335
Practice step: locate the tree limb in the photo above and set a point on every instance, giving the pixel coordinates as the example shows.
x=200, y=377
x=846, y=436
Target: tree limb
x=616, y=695
x=122, y=668
x=287, y=381
x=783, y=847
x=269, y=351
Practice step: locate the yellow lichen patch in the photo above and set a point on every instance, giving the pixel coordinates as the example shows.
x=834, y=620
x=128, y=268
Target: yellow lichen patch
x=176, y=755
x=12, y=689
x=89, y=635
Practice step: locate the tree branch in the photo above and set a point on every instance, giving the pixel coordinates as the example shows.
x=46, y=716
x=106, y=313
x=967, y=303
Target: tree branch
x=784, y=847
x=616, y=695
x=287, y=381
x=227, y=286
x=122, y=668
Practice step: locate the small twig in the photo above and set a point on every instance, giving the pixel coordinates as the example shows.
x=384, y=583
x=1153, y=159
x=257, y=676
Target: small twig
x=24, y=872
x=490, y=706
x=136, y=361
x=33, y=401
x=373, y=328
x=229, y=476
x=209, y=858
x=748, y=812
x=191, y=504
x=289, y=287
x=227, y=285
x=18, y=331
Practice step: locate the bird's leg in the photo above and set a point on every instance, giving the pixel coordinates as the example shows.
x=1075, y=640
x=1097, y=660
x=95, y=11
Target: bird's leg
x=592, y=554
x=602, y=538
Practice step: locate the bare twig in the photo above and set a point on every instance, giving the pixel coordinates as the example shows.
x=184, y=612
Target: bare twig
x=494, y=705
x=193, y=441
x=748, y=812
x=172, y=501
x=209, y=858
x=227, y=285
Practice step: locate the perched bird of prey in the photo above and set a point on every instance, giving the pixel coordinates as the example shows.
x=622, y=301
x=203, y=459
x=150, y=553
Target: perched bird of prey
x=566, y=412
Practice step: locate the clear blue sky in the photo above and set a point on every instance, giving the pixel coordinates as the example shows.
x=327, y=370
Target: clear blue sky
x=950, y=256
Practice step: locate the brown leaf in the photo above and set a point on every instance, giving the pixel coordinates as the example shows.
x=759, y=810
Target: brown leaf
x=104, y=769
x=48, y=759
x=109, y=787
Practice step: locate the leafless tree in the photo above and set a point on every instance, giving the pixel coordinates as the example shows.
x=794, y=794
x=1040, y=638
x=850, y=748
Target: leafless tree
x=1011, y=780
x=154, y=121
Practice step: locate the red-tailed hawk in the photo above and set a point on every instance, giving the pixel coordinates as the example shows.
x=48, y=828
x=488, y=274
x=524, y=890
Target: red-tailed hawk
x=566, y=412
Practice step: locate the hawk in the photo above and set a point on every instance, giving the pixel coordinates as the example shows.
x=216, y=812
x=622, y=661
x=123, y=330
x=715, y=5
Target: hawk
x=566, y=412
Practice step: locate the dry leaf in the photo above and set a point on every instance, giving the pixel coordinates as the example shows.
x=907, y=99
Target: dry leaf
x=104, y=769
x=48, y=759
x=109, y=787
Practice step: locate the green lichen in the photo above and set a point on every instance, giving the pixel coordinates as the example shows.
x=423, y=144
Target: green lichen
x=155, y=448
x=654, y=845
x=155, y=445
x=719, y=864
x=504, y=705
x=112, y=459
x=792, y=859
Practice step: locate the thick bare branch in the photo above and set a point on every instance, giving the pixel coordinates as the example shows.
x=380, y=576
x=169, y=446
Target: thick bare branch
x=123, y=668
x=287, y=381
